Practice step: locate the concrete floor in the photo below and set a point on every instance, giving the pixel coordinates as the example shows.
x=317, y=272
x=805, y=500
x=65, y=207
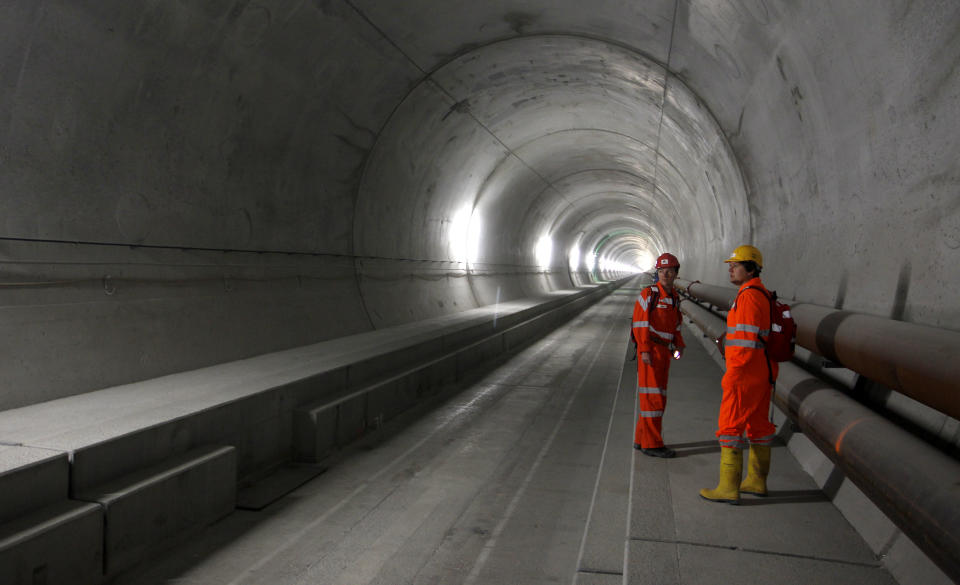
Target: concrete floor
x=528, y=476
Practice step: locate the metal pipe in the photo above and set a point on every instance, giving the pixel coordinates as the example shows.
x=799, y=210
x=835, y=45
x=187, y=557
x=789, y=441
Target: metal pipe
x=707, y=321
x=915, y=360
x=913, y=484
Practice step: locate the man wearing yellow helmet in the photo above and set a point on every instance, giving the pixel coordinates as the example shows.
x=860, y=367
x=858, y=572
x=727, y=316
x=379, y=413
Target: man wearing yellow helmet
x=747, y=384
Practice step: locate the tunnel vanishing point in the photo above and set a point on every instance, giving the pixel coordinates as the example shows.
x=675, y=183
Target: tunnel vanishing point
x=188, y=184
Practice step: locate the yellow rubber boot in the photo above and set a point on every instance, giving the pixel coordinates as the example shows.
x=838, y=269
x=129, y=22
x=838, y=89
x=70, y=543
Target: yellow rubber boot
x=758, y=466
x=731, y=467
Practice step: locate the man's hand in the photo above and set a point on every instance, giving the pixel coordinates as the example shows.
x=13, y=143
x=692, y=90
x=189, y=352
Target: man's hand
x=645, y=356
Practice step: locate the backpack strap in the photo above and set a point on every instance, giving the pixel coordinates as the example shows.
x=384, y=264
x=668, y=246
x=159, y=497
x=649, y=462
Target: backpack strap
x=655, y=298
x=770, y=299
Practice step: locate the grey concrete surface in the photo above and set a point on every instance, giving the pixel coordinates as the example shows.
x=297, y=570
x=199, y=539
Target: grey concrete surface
x=186, y=185
x=161, y=505
x=59, y=543
x=528, y=475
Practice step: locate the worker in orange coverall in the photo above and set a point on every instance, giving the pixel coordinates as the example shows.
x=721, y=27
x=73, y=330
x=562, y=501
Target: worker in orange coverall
x=656, y=331
x=747, y=384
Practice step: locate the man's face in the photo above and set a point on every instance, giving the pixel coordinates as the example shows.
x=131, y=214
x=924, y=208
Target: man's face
x=738, y=274
x=667, y=275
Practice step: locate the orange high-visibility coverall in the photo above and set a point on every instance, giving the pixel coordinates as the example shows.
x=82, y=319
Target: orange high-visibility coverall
x=746, y=384
x=654, y=329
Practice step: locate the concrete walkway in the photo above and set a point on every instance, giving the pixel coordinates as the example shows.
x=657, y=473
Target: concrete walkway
x=528, y=476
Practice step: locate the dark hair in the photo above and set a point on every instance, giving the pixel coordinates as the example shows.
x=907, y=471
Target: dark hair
x=751, y=267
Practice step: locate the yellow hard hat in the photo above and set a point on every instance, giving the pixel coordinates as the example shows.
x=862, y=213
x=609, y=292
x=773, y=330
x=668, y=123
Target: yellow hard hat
x=746, y=254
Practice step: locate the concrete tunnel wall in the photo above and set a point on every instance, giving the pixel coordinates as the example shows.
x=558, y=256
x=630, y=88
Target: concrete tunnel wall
x=190, y=183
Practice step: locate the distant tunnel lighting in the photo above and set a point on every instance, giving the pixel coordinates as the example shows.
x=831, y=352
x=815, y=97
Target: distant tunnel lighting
x=575, y=258
x=544, y=251
x=607, y=265
x=474, y=231
x=590, y=261
x=464, y=235
x=644, y=261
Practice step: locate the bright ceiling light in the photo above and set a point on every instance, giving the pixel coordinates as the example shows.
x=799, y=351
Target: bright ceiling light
x=574, y=257
x=543, y=251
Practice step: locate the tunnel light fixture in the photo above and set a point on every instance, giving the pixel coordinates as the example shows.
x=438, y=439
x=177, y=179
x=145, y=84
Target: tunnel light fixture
x=615, y=266
x=474, y=231
x=543, y=251
x=574, y=257
x=457, y=234
x=644, y=261
x=464, y=235
x=590, y=261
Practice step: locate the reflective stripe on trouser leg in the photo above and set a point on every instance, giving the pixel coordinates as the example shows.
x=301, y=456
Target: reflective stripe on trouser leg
x=768, y=440
x=732, y=441
x=649, y=430
x=651, y=398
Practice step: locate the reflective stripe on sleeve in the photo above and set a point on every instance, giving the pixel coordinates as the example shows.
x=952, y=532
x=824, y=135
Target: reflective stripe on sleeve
x=659, y=391
x=651, y=413
x=748, y=329
x=744, y=343
x=641, y=324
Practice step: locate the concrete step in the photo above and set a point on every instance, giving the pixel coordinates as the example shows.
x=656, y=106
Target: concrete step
x=150, y=509
x=30, y=479
x=61, y=543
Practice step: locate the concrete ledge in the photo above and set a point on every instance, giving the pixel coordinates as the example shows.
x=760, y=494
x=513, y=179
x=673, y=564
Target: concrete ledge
x=61, y=543
x=322, y=426
x=130, y=447
x=31, y=479
x=147, y=510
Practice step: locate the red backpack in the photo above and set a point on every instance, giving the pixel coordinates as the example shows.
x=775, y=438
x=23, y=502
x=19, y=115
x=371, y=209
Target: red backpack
x=782, y=339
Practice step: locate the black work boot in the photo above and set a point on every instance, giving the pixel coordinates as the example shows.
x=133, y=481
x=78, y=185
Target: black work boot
x=664, y=452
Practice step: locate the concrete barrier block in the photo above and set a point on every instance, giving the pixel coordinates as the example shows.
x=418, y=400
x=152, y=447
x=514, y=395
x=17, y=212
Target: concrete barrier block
x=98, y=462
x=367, y=371
x=351, y=418
x=876, y=529
x=522, y=334
x=61, y=543
x=388, y=399
x=477, y=353
x=440, y=372
x=455, y=340
x=31, y=478
x=149, y=510
x=908, y=564
x=811, y=459
x=314, y=432
x=325, y=386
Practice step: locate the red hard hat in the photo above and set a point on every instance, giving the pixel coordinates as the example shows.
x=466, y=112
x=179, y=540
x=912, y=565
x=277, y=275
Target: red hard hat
x=667, y=261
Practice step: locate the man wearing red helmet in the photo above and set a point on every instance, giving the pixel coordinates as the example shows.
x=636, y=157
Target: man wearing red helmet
x=656, y=331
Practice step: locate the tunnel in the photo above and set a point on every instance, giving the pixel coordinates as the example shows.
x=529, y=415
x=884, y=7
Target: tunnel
x=189, y=185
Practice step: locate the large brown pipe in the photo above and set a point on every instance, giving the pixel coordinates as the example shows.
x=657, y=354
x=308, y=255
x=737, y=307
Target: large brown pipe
x=912, y=359
x=913, y=484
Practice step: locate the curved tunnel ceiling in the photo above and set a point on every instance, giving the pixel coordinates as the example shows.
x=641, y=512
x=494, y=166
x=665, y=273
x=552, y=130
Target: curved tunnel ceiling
x=343, y=162
x=559, y=136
